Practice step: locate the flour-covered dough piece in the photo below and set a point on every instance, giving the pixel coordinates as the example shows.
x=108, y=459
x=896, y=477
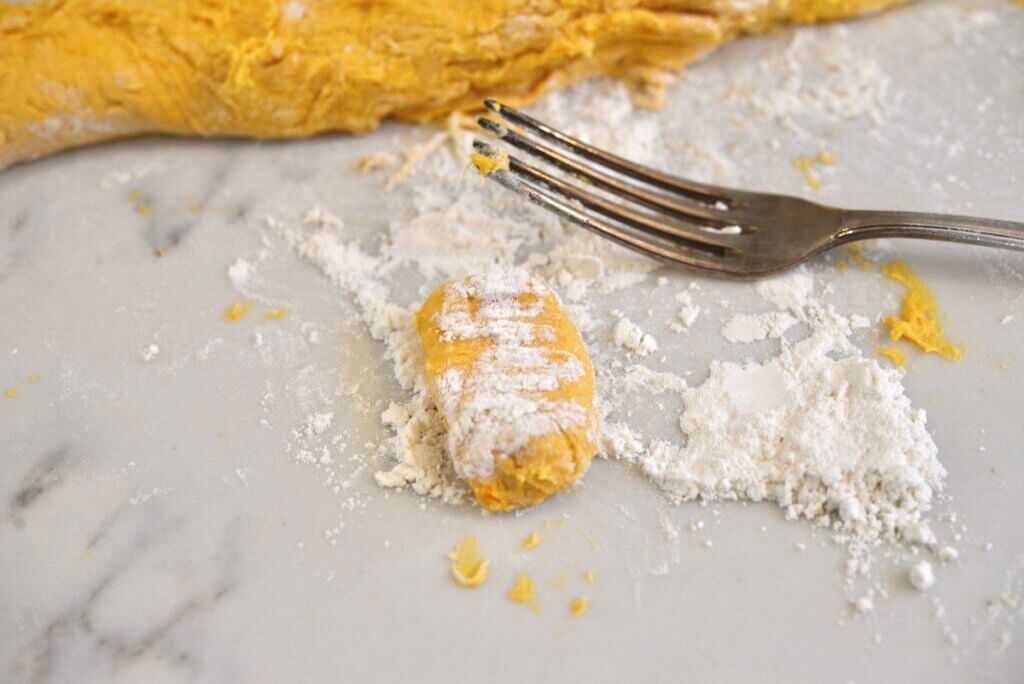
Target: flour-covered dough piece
x=512, y=379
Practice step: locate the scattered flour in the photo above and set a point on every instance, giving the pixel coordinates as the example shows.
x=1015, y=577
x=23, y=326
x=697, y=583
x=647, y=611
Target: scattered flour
x=419, y=447
x=837, y=83
x=819, y=429
x=864, y=604
x=754, y=327
x=241, y=273
x=921, y=576
x=822, y=431
x=628, y=335
x=689, y=311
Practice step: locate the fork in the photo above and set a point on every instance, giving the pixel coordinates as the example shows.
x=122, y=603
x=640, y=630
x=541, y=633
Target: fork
x=721, y=230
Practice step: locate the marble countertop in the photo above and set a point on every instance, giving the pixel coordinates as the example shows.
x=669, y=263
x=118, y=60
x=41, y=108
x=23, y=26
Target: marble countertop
x=155, y=524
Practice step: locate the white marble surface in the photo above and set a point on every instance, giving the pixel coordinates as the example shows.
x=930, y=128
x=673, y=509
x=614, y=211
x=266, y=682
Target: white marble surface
x=153, y=529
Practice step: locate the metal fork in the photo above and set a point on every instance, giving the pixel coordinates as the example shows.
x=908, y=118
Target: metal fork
x=721, y=230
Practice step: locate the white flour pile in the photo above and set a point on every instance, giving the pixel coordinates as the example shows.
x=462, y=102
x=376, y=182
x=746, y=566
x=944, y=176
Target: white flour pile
x=833, y=441
x=819, y=429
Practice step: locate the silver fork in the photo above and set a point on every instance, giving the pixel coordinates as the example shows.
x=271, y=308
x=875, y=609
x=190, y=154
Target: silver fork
x=721, y=230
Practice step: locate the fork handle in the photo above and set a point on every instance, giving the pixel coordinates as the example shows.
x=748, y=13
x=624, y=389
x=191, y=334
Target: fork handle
x=866, y=225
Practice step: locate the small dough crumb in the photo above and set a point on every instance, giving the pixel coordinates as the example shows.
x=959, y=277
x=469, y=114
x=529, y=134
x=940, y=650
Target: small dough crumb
x=373, y=161
x=918, y=320
x=856, y=252
x=590, y=576
x=894, y=354
x=522, y=591
x=488, y=164
x=531, y=541
x=236, y=311
x=275, y=314
x=578, y=605
x=468, y=568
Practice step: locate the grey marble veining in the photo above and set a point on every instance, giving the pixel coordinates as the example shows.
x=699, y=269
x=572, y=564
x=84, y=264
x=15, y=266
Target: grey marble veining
x=155, y=525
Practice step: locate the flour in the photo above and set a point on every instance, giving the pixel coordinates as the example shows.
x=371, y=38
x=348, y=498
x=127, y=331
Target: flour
x=818, y=429
x=822, y=431
x=419, y=448
x=753, y=327
x=833, y=441
x=791, y=292
x=637, y=378
x=864, y=604
x=836, y=83
x=149, y=352
x=628, y=335
x=688, y=313
x=921, y=576
x=240, y=273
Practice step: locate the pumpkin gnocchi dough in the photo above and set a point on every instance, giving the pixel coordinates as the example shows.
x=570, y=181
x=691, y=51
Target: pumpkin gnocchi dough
x=80, y=71
x=514, y=385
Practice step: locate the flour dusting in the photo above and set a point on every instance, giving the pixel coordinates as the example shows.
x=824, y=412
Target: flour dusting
x=817, y=428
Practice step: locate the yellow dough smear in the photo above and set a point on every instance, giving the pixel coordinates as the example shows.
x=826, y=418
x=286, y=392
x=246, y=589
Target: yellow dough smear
x=80, y=71
x=856, y=252
x=236, y=312
x=894, y=354
x=275, y=314
x=918, y=319
x=531, y=541
x=11, y=392
x=487, y=164
x=590, y=576
x=522, y=591
x=514, y=384
x=578, y=605
x=468, y=568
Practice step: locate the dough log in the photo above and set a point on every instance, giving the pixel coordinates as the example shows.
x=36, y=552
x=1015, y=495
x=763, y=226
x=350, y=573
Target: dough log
x=80, y=71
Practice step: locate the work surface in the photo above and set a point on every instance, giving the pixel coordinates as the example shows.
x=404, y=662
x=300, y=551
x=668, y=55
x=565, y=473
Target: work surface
x=160, y=521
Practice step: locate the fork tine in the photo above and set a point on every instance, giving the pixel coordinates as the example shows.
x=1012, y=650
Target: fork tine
x=693, y=211
x=704, y=259
x=692, y=234
x=698, y=191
